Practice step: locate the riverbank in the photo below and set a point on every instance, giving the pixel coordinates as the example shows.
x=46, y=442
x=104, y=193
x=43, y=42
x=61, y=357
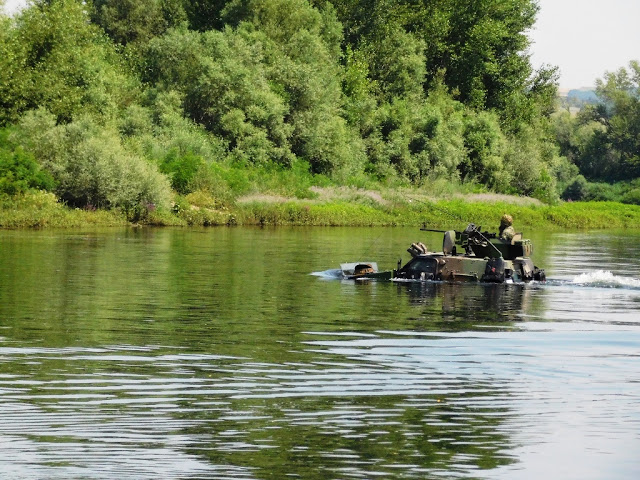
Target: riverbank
x=442, y=214
x=337, y=207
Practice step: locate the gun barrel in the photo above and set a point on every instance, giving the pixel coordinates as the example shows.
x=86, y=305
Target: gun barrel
x=432, y=230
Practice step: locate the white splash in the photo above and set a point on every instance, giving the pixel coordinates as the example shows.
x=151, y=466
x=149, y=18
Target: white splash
x=604, y=278
x=334, y=273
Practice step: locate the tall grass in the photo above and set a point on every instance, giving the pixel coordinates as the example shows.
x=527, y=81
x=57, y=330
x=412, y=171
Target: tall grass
x=40, y=209
x=443, y=214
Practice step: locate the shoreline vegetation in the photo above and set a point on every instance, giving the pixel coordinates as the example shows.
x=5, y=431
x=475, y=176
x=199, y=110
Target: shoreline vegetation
x=339, y=206
x=303, y=112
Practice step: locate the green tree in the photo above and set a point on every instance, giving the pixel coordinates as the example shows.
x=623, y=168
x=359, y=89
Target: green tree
x=486, y=145
x=12, y=78
x=137, y=21
x=604, y=139
x=271, y=86
x=53, y=57
x=577, y=190
x=532, y=163
x=205, y=14
x=480, y=46
x=410, y=88
x=222, y=78
x=302, y=65
x=397, y=64
x=621, y=94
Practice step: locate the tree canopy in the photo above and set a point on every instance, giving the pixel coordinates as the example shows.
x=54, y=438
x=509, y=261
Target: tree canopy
x=411, y=90
x=603, y=139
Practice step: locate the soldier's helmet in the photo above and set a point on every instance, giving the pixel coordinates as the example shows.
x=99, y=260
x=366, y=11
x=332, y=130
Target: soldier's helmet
x=506, y=220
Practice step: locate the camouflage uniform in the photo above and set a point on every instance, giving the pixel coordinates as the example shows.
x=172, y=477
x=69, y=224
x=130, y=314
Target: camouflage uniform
x=506, y=228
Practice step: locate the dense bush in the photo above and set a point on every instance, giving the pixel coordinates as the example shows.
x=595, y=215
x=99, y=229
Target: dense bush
x=182, y=170
x=577, y=190
x=632, y=197
x=90, y=166
x=19, y=173
x=486, y=145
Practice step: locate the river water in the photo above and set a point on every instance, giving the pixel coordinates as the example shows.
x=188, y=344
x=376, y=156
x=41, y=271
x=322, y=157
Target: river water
x=235, y=353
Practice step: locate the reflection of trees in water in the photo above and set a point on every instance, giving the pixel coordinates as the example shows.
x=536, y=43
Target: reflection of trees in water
x=456, y=306
x=358, y=410
x=442, y=435
x=259, y=400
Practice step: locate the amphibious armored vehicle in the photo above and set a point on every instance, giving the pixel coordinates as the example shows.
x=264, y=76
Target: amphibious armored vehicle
x=470, y=255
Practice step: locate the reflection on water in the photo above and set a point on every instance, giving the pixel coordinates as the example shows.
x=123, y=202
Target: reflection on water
x=213, y=354
x=465, y=305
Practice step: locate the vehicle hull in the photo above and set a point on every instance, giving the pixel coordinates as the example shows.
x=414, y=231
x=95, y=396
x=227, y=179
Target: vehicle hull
x=463, y=268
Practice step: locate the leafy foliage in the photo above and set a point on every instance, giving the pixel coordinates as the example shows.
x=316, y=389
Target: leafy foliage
x=225, y=89
x=577, y=190
x=479, y=46
x=19, y=171
x=182, y=170
x=621, y=117
x=90, y=165
x=137, y=21
x=603, y=140
x=119, y=100
x=53, y=57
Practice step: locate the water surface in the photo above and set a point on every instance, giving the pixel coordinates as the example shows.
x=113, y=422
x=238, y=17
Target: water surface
x=214, y=353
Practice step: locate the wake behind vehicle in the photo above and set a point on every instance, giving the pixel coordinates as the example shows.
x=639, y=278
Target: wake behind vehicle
x=470, y=255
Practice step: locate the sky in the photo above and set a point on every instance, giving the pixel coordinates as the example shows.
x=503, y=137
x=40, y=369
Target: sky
x=12, y=5
x=584, y=38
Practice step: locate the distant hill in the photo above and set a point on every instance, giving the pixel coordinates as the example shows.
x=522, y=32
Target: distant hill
x=583, y=96
x=577, y=98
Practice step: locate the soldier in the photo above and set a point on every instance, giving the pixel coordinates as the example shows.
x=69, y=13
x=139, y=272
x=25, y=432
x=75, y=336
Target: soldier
x=506, y=228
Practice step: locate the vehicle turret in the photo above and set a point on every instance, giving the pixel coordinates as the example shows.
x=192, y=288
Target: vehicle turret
x=483, y=244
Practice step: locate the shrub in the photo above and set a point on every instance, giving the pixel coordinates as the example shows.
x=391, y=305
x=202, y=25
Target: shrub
x=632, y=197
x=38, y=209
x=530, y=161
x=485, y=144
x=19, y=173
x=181, y=169
x=91, y=166
x=577, y=190
x=601, y=192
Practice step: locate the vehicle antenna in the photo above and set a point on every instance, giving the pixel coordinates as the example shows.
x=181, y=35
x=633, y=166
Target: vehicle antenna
x=375, y=240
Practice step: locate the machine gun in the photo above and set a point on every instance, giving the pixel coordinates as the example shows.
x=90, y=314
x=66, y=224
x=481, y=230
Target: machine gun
x=482, y=244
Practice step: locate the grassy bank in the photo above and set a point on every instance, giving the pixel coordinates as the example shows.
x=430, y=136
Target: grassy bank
x=446, y=214
x=41, y=209
x=345, y=207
